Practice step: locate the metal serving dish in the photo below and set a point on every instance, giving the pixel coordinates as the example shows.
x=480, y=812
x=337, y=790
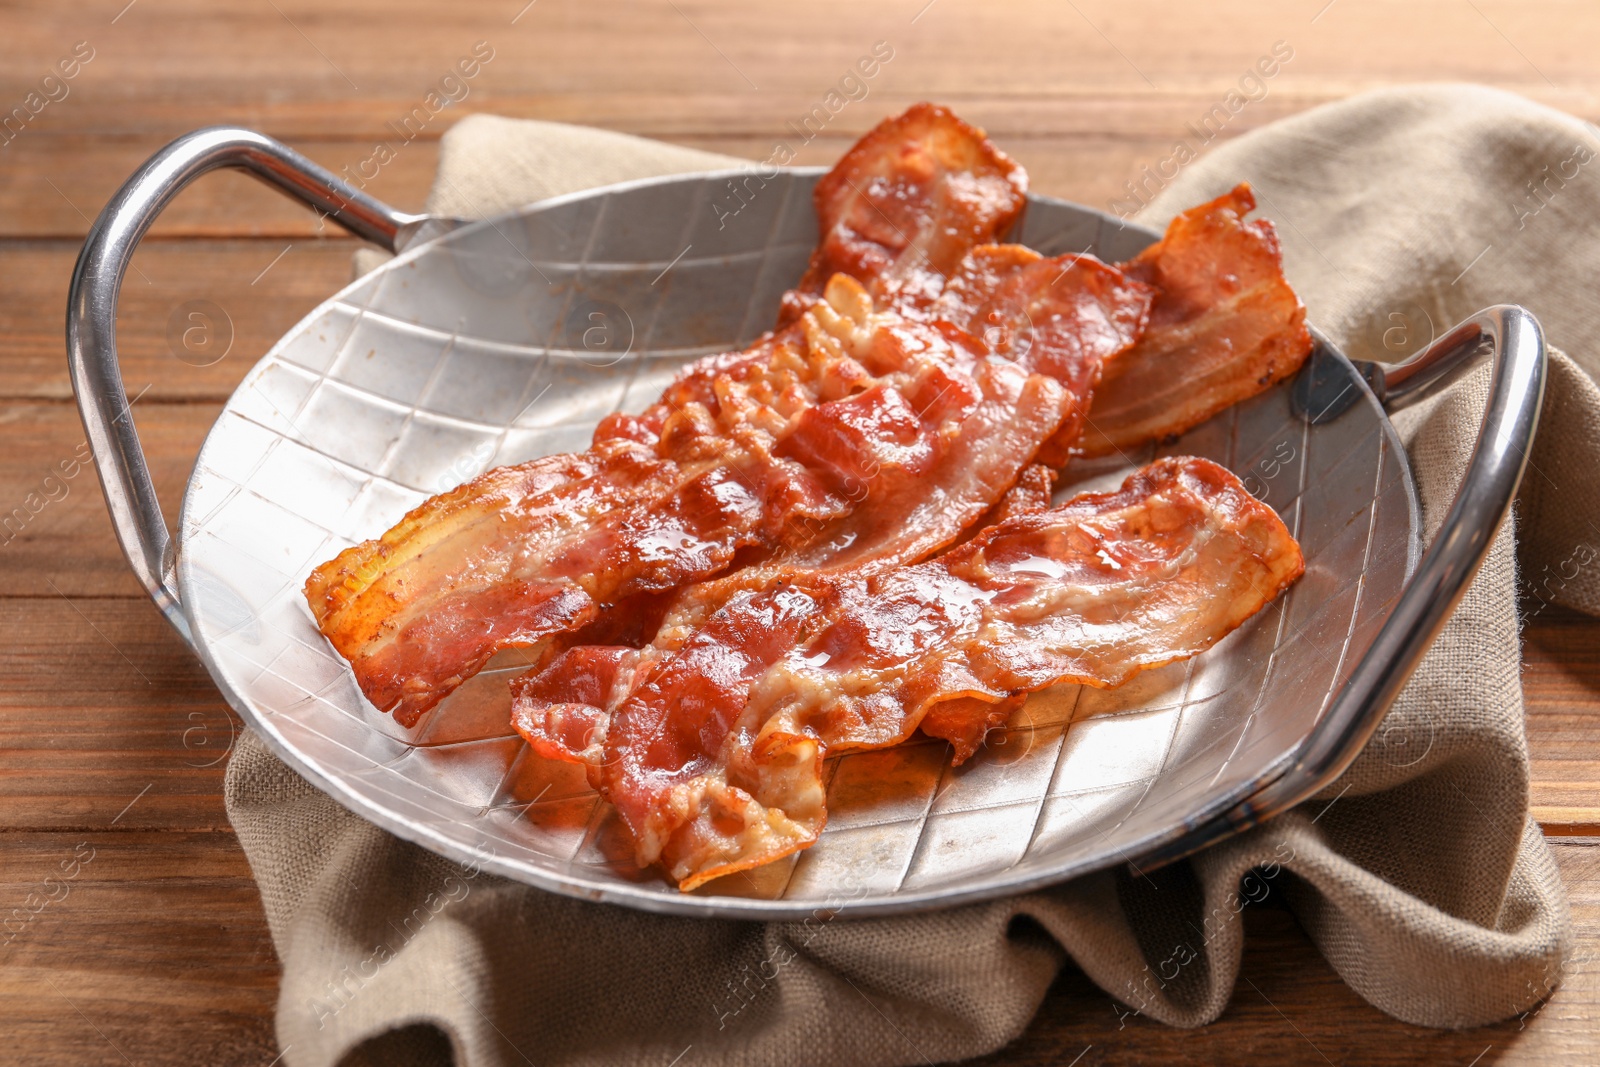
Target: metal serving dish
x=498, y=341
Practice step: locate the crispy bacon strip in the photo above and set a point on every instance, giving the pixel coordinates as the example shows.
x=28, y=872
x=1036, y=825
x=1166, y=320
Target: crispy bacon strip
x=1067, y=317
x=1056, y=320
x=714, y=756
x=760, y=449
x=906, y=204
x=523, y=552
x=1226, y=325
x=854, y=433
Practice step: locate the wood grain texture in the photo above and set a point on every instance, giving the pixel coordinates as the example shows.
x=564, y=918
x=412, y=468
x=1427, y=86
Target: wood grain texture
x=262, y=286
x=110, y=732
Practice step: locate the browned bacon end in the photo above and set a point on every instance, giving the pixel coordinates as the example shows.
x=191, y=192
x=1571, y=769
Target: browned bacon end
x=1225, y=326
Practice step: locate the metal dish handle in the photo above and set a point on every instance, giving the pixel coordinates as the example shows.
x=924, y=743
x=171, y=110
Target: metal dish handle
x=92, y=316
x=1499, y=458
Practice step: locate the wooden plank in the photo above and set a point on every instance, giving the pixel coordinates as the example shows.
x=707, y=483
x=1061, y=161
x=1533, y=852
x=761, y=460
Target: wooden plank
x=152, y=946
x=160, y=955
x=61, y=182
x=100, y=703
x=261, y=286
x=55, y=535
x=1561, y=681
x=172, y=899
x=324, y=58
x=1067, y=109
x=1056, y=74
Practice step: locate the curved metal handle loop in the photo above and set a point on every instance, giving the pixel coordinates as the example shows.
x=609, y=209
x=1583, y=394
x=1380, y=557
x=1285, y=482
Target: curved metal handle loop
x=1499, y=458
x=92, y=316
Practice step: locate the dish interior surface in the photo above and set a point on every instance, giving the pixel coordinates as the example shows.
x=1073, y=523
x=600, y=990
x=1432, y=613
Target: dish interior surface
x=509, y=339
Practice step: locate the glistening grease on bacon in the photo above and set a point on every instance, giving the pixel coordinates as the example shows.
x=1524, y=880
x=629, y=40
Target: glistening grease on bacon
x=713, y=752
x=1225, y=326
x=1046, y=323
x=760, y=458
x=902, y=208
x=1072, y=318
x=564, y=704
x=1055, y=321
x=864, y=430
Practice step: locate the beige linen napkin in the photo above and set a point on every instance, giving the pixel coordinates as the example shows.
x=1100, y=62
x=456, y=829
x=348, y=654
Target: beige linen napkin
x=1418, y=874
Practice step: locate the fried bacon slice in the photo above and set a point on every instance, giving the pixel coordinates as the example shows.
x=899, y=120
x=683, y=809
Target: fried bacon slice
x=1067, y=317
x=526, y=551
x=713, y=754
x=904, y=206
x=1226, y=325
x=1056, y=320
x=760, y=449
x=863, y=431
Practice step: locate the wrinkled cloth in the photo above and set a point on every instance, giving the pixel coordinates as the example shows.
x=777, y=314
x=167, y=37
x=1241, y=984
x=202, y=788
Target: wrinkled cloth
x=1418, y=875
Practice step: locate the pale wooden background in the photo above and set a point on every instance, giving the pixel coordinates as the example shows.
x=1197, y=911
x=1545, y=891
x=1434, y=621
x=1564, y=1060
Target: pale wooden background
x=110, y=734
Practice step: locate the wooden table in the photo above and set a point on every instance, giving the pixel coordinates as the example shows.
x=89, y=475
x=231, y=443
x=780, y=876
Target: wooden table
x=112, y=739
